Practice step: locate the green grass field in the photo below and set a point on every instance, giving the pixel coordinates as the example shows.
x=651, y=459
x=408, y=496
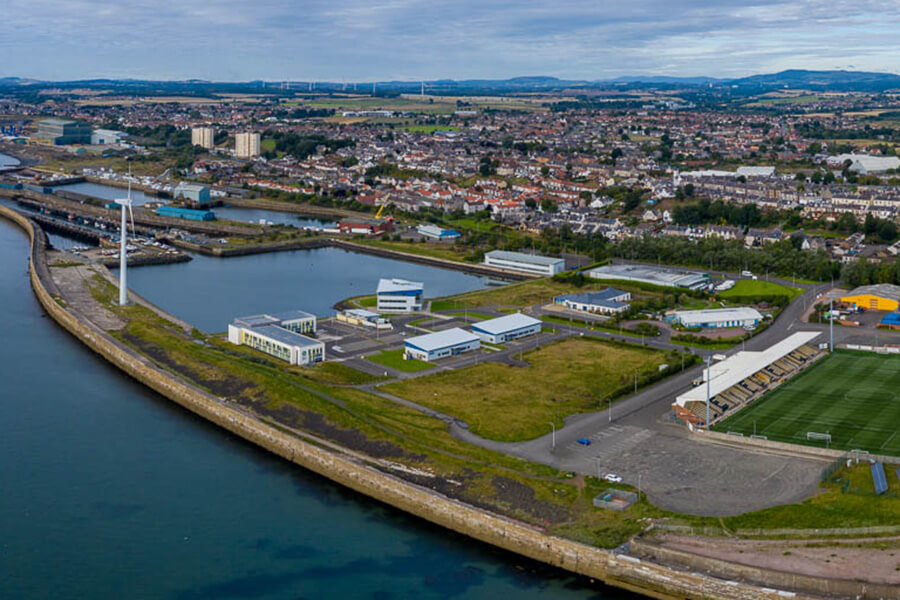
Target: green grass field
x=853, y=396
x=394, y=359
x=758, y=287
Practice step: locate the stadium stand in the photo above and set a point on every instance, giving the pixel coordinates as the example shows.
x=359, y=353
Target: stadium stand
x=881, y=484
x=742, y=378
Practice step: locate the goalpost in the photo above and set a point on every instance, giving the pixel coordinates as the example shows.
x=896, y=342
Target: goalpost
x=818, y=437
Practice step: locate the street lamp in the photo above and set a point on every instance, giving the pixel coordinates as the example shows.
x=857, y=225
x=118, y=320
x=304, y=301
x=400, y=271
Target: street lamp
x=553, y=442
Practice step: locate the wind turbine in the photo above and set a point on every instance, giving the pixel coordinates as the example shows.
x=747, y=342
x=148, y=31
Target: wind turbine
x=123, y=250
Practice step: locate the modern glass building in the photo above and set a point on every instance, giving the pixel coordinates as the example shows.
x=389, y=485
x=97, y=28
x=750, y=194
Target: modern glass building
x=280, y=336
x=63, y=131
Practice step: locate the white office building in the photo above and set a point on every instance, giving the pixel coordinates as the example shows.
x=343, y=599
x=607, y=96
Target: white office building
x=280, y=335
x=524, y=263
x=399, y=295
x=507, y=328
x=440, y=344
x=246, y=145
x=740, y=316
x=203, y=137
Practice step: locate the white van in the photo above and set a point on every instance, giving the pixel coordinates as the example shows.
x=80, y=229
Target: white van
x=746, y=274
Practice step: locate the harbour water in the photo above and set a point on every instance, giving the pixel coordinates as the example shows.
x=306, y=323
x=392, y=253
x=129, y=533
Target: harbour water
x=209, y=292
x=8, y=161
x=254, y=215
x=111, y=491
x=108, y=192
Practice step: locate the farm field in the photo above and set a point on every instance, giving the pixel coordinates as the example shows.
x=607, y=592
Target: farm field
x=853, y=396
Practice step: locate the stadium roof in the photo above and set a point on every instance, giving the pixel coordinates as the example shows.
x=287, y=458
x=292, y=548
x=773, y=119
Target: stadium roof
x=442, y=339
x=698, y=317
x=525, y=258
x=398, y=286
x=742, y=365
x=505, y=324
x=883, y=290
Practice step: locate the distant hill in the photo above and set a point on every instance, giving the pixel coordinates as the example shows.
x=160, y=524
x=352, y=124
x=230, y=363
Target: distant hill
x=823, y=80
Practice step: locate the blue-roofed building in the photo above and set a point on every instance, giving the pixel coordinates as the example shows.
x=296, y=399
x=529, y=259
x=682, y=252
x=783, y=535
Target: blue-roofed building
x=605, y=302
x=441, y=344
x=186, y=213
x=438, y=233
x=399, y=295
x=279, y=335
x=506, y=328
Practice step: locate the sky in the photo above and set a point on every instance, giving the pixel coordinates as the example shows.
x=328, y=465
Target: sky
x=366, y=40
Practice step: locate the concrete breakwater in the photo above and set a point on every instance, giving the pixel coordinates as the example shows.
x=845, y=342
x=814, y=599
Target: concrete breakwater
x=357, y=472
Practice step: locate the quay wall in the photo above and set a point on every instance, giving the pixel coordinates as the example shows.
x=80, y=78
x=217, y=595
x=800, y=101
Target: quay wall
x=648, y=578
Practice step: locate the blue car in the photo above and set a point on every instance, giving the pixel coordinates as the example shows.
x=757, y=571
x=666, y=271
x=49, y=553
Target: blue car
x=584, y=441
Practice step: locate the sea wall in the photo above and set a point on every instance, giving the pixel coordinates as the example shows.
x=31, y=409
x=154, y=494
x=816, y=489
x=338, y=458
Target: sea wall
x=842, y=588
x=631, y=573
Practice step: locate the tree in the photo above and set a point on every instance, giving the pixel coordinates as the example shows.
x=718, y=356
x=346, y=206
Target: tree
x=548, y=205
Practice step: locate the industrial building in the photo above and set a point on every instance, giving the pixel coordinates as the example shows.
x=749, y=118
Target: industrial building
x=507, y=328
x=193, y=193
x=365, y=226
x=204, y=137
x=524, y=263
x=605, y=302
x=60, y=132
x=363, y=318
x=106, y=137
x=744, y=377
x=864, y=164
x=279, y=335
x=246, y=145
x=441, y=344
x=399, y=295
x=186, y=213
x=438, y=233
x=882, y=296
x=692, y=280
x=740, y=316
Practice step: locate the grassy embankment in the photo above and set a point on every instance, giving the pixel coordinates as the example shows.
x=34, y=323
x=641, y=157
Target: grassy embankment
x=507, y=403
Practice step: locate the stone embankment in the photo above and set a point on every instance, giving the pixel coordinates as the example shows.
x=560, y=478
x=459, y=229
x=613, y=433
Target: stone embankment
x=629, y=572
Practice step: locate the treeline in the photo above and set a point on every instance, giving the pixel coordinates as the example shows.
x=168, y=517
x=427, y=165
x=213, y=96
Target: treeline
x=863, y=272
x=780, y=258
x=302, y=146
x=816, y=130
x=705, y=211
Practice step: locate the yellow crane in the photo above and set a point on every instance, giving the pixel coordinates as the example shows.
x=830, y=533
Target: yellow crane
x=384, y=203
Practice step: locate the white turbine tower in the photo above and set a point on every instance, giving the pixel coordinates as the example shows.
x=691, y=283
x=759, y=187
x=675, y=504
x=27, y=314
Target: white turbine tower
x=123, y=249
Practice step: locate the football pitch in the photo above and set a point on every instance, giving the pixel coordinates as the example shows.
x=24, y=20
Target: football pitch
x=853, y=396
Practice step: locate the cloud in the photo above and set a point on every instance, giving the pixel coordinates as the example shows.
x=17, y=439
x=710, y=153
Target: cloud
x=414, y=39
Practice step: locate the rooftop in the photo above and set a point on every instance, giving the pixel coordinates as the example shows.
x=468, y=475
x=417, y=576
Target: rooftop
x=506, y=323
x=442, y=339
x=651, y=274
x=884, y=290
x=601, y=298
x=393, y=286
x=522, y=257
x=738, y=313
x=285, y=336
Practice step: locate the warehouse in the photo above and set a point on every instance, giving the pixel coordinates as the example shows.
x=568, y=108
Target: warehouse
x=605, y=302
x=883, y=296
x=186, y=213
x=507, y=328
x=440, y=344
x=438, y=233
x=279, y=336
x=740, y=316
x=692, y=280
x=524, y=263
x=399, y=295
x=196, y=194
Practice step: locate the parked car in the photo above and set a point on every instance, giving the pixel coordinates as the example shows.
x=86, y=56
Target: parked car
x=613, y=478
x=584, y=441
